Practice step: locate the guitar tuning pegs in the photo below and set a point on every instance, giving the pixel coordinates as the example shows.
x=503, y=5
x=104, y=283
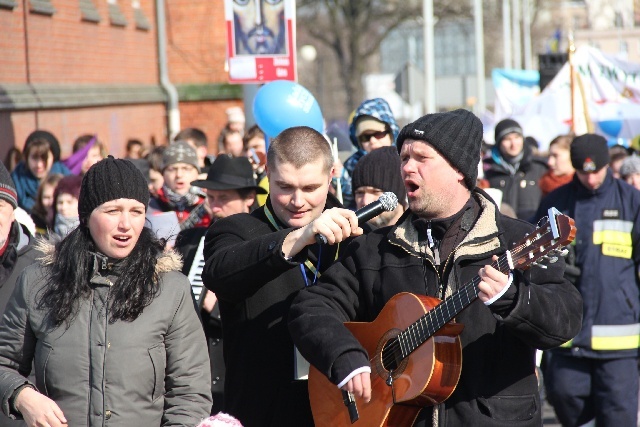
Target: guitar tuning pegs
x=563, y=252
x=537, y=264
x=553, y=259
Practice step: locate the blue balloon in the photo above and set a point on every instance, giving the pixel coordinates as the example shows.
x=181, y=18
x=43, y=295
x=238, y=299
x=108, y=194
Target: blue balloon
x=611, y=127
x=283, y=104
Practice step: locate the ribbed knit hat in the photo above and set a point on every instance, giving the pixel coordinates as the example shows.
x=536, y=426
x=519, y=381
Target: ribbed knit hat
x=111, y=179
x=589, y=152
x=7, y=187
x=180, y=152
x=505, y=127
x=380, y=169
x=457, y=135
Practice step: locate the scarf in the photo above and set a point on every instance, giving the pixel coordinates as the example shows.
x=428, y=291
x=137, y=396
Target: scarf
x=511, y=164
x=182, y=203
x=549, y=182
x=63, y=225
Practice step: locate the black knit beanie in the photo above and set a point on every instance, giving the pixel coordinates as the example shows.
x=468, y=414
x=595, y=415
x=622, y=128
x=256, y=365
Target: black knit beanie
x=7, y=187
x=380, y=169
x=457, y=135
x=505, y=127
x=111, y=179
x=54, y=145
x=589, y=152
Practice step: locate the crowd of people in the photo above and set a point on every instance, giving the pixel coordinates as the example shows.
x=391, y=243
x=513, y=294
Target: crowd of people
x=109, y=316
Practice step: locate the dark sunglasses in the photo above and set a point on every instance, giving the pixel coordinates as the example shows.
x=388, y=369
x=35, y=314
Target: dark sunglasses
x=365, y=137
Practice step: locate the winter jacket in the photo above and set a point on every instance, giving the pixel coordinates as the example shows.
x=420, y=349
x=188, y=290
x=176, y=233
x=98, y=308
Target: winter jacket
x=255, y=285
x=519, y=190
x=497, y=386
x=607, y=252
x=27, y=184
x=19, y=254
x=152, y=371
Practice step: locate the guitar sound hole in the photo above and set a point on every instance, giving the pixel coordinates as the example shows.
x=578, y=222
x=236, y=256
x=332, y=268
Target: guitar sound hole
x=390, y=355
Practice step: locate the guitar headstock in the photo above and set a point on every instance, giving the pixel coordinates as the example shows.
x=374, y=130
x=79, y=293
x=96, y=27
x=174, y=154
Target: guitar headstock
x=554, y=232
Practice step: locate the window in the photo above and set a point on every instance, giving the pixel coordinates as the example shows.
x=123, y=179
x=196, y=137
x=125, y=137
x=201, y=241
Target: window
x=115, y=14
x=142, y=23
x=43, y=7
x=7, y=4
x=89, y=11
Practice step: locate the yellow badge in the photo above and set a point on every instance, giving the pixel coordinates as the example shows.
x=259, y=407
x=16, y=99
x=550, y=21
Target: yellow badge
x=617, y=251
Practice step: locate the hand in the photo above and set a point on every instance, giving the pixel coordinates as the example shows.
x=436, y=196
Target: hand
x=360, y=386
x=492, y=282
x=209, y=301
x=38, y=410
x=336, y=224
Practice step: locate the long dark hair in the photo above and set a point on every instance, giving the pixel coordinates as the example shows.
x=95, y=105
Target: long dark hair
x=72, y=268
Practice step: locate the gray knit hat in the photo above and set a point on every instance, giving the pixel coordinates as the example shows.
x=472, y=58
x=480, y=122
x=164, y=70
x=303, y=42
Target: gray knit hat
x=111, y=179
x=180, y=152
x=457, y=135
x=629, y=166
x=7, y=187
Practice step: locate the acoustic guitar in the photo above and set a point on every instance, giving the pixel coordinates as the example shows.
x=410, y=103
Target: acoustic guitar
x=414, y=343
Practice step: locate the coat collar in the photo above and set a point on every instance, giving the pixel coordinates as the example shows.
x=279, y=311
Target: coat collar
x=169, y=260
x=484, y=237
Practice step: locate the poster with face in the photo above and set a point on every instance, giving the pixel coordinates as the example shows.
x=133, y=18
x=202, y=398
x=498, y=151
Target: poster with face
x=259, y=27
x=260, y=40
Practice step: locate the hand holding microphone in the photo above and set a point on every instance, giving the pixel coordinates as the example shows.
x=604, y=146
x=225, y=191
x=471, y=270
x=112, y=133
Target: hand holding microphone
x=386, y=203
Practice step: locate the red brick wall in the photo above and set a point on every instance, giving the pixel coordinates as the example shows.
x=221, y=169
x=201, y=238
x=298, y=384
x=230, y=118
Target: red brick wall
x=196, y=41
x=64, y=49
x=12, y=46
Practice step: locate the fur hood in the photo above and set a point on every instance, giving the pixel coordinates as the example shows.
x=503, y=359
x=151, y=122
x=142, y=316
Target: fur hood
x=169, y=260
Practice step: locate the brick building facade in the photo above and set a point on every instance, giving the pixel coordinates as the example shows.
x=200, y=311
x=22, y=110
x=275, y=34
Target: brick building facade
x=91, y=66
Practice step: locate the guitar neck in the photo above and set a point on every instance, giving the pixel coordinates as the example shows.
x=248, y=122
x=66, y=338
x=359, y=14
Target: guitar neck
x=432, y=321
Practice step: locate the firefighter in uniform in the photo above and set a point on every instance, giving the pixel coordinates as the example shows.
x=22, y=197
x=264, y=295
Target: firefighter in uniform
x=595, y=375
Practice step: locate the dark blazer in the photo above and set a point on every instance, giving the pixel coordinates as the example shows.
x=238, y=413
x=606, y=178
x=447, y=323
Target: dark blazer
x=255, y=285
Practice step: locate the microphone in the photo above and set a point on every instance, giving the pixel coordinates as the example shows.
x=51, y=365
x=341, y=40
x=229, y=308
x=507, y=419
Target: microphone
x=386, y=203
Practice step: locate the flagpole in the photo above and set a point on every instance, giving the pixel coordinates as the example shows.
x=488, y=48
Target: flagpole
x=571, y=51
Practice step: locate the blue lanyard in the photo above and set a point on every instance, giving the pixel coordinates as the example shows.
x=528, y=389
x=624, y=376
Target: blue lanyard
x=313, y=269
x=307, y=263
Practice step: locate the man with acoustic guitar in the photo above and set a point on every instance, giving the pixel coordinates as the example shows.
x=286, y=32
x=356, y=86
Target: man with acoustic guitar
x=452, y=244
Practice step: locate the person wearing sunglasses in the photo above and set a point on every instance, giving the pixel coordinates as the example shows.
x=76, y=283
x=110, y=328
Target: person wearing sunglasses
x=372, y=126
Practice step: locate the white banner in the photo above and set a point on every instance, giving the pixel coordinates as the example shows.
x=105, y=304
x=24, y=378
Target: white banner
x=611, y=90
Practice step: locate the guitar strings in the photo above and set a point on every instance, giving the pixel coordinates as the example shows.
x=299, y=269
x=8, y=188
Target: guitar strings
x=416, y=336
x=389, y=352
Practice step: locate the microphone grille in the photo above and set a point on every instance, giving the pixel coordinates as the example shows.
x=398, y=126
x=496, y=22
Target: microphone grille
x=389, y=201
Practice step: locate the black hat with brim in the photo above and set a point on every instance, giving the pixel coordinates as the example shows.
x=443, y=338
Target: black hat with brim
x=230, y=173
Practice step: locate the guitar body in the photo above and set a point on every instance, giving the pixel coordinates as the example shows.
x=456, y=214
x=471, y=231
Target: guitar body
x=426, y=377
